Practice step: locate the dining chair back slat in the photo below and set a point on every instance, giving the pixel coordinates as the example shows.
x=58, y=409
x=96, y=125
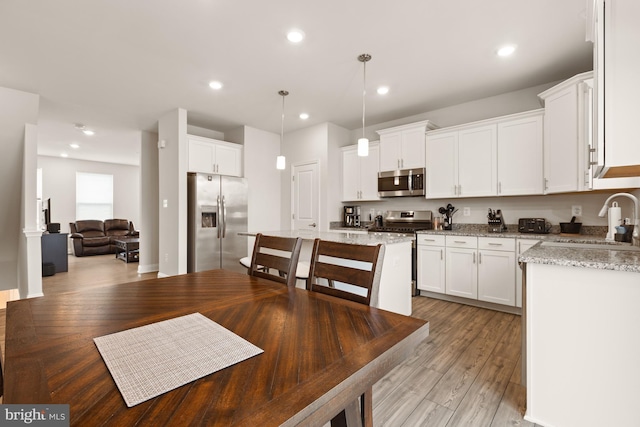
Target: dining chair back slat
x=335, y=264
x=275, y=258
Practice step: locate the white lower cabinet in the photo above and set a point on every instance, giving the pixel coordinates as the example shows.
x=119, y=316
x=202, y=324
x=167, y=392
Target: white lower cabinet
x=478, y=268
x=461, y=266
x=431, y=263
x=496, y=270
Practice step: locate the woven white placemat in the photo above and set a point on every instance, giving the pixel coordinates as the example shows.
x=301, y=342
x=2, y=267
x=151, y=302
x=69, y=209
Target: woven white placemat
x=153, y=359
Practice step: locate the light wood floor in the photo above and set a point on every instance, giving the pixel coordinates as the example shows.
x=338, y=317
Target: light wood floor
x=467, y=373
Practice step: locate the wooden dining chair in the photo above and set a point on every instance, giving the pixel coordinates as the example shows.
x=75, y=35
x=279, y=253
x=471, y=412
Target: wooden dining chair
x=275, y=258
x=350, y=272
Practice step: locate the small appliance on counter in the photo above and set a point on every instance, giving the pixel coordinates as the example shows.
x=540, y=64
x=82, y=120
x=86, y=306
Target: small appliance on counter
x=351, y=216
x=533, y=225
x=572, y=227
x=447, y=213
x=496, y=221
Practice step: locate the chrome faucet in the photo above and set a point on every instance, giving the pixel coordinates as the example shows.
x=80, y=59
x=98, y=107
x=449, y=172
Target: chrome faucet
x=635, y=236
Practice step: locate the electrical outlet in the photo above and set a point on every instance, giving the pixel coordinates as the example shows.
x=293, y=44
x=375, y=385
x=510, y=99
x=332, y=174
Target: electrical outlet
x=576, y=210
x=466, y=211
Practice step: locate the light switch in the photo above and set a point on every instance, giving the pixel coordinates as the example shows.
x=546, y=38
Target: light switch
x=165, y=203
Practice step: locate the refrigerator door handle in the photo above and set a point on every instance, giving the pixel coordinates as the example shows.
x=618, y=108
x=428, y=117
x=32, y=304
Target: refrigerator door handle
x=219, y=218
x=224, y=218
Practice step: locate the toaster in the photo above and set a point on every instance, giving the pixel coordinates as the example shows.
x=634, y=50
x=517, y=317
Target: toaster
x=533, y=225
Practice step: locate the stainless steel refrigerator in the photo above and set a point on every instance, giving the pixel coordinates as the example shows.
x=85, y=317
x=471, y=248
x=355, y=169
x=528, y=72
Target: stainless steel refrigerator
x=217, y=211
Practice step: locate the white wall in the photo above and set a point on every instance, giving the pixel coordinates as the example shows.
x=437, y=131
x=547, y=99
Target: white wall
x=338, y=137
x=260, y=151
x=16, y=110
x=59, y=184
x=480, y=109
x=172, y=188
x=149, y=206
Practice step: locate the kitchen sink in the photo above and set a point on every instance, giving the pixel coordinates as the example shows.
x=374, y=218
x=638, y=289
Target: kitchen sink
x=568, y=245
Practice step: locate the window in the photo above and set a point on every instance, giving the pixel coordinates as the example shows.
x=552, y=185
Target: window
x=94, y=196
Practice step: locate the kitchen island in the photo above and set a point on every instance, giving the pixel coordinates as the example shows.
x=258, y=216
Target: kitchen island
x=395, y=280
x=580, y=340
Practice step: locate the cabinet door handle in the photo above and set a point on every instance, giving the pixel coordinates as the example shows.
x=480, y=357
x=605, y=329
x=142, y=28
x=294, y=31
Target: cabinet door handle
x=459, y=190
x=441, y=254
x=546, y=184
x=474, y=257
x=459, y=241
x=499, y=187
x=495, y=244
x=429, y=240
x=479, y=257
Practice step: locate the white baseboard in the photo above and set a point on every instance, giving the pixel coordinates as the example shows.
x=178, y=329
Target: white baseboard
x=148, y=268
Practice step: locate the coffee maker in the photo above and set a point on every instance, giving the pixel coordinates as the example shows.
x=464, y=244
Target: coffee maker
x=351, y=216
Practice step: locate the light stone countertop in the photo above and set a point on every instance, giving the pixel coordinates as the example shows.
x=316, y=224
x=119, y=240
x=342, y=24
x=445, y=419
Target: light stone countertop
x=619, y=258
x=606, y=255
x=341, y=236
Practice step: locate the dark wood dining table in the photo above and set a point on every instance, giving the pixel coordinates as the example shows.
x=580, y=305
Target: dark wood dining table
x=320, y=352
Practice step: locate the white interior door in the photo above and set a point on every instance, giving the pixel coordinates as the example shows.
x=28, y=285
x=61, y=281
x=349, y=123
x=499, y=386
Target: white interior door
x=305, y=198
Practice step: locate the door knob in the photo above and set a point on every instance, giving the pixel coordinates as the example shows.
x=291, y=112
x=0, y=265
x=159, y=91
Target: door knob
x=313, y=224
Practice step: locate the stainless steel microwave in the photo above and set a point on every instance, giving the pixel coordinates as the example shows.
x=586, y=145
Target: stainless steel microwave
x=399, y=183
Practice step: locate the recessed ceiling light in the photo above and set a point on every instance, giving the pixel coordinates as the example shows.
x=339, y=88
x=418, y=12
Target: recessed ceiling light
x=74, y=146
x=215, y=85
x=64, y=155
x=506, y=50
x=88, y=132
x=304, y=116
x=383, y=90
x=295, y=36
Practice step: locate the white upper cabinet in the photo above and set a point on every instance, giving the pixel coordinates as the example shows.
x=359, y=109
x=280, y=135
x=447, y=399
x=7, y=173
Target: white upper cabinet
x=403, y=147
x=563, y=171
x=477, y=161
x=360, y=174
x=520, y=154
x=442, y=165
x=495, y=157
x=569, y=145
x=212, y=156
x=613, y=27
x=461, y=163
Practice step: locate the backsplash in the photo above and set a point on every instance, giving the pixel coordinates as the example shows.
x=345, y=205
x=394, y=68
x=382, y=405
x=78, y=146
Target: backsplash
x=555, y=208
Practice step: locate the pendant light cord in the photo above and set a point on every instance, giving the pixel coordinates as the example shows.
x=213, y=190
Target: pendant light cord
x=364, y=91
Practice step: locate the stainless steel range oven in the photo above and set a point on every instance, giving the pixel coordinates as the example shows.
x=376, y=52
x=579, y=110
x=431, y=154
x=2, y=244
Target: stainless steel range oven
x=407, y=222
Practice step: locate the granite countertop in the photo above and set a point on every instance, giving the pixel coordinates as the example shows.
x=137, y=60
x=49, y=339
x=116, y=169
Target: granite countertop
x=342, y=237
x=567, y=250
x=621, y=257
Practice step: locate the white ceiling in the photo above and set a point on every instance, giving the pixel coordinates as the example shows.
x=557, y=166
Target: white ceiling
x=117, y=66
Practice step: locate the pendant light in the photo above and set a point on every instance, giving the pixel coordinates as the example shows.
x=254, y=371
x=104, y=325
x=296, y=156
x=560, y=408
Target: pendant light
x=280, y=160
x=363, y=143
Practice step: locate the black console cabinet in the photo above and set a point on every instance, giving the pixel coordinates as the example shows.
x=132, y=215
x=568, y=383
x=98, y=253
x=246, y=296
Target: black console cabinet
x=54, y=250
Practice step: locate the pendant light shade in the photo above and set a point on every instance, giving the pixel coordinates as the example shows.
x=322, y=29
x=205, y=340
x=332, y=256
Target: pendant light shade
x=281, y=162
x=363, y=143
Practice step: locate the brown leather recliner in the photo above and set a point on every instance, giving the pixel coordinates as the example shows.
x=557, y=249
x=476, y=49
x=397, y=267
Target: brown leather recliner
x=95, y=237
